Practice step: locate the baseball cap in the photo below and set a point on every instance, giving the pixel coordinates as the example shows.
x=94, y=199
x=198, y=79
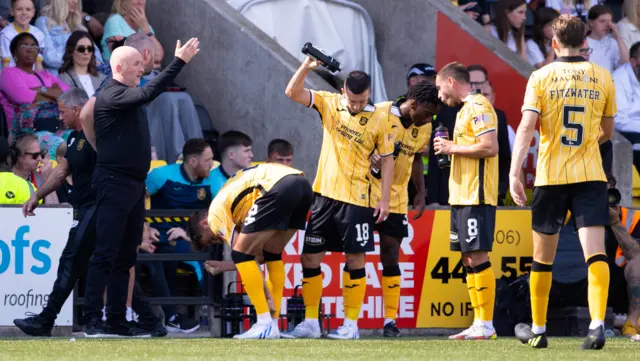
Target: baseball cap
x=5, y=150
x=421, y=69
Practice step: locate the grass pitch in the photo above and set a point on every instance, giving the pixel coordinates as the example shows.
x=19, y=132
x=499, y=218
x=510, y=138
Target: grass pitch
x=309, y=350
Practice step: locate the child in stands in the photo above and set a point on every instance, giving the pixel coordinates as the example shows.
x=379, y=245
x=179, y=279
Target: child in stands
x=23, y=12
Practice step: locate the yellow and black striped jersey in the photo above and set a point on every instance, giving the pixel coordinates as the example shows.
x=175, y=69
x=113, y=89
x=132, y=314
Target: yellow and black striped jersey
x=474, y=181
x=234, y=202
x=408, y=140
x=347, y=142
x=570, y=96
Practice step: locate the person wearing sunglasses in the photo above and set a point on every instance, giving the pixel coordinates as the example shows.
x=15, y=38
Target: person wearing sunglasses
x=30, y=162
x=79, y=67
x=13, y=189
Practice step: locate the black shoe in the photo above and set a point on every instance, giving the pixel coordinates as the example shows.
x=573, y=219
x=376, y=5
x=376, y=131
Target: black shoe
x=182, y=324
x=36, y=325
x=391, y=330
x=95, y=329
x=595, y=339
x=127, y=329
x=525, y=335
x=156, y=329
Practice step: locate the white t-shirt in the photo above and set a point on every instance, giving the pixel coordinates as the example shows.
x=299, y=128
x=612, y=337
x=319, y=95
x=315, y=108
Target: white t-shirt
x=606, y=52
x=534, y=54
x=511, y=42
x=569, y=7
x=87, y=85
x=8, y=33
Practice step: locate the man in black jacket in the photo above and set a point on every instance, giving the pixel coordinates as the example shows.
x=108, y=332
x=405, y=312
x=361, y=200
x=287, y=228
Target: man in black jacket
x=124, y=154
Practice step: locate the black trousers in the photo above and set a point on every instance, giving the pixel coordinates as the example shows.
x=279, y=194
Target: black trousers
x=119, y=226
x=74, y=262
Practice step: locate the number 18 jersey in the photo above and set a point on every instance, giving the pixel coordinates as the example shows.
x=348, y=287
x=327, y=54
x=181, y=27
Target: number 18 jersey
x=571, y=96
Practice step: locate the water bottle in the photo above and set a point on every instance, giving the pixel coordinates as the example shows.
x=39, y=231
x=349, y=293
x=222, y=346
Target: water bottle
x=443, y=159
x=327, y=60
x=204, y=317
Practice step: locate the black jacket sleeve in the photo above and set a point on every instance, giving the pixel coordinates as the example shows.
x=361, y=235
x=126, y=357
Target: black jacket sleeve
x=123, y=98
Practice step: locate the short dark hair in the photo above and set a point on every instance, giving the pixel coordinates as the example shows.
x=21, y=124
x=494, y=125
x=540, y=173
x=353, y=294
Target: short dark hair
x=598, y=10
x=280, y=146
x=569, y=30
x=193, y=229
x=456, y=71
x=232, y=138
x=13, y=47
x=194, y=146
x=424, y=92
x=480, y=68
x=358, y=82
x=633, y=51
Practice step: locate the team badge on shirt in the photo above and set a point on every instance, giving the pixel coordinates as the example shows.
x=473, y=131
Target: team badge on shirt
x=414, y=132
x=80, y=144
x=202, y=194
x=363, y=120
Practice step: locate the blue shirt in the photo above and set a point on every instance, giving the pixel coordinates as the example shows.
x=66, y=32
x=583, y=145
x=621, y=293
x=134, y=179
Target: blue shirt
x=170, y=188
x=218, y=178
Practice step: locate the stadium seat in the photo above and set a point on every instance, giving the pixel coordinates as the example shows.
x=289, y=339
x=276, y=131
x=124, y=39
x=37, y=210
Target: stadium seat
x=256, y=163
x=216, y=164
x=635, y=182
x=156, y=164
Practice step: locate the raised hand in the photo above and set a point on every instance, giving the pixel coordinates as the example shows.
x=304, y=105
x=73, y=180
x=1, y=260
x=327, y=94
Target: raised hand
x=187, y=51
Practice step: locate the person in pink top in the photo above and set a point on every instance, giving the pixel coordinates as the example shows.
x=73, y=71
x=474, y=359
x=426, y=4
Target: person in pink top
x=28, y=96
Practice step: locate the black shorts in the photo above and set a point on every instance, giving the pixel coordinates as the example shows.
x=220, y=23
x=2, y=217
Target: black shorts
x=396, y=225
x=472, y=228
x=284, y=206
x=338, y=227
x=587, y=202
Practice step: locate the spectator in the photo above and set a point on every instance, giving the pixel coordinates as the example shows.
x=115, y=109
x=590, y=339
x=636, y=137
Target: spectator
x=128, y=17
x=280, y=151
x=421, y=72
x=173, y=118
x=23, y=12
x=79, y=68
x=539, y=51
x=29, y=97
x=577, y=8
x=178, y=186
x=64, y=192
x=509, y=25
x=478, y=10
x=13, y=189
x=479, y=78
x=59, y=19
x=25, y=159
x=234, y=151
x=609, y=50
x=626, y=79
x=629, y=26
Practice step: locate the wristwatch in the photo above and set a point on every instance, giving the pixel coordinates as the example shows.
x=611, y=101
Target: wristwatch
x=87, y=18
x=43, y=89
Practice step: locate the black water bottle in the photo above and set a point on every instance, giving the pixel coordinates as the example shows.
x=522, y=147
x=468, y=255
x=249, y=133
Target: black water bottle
x=443, y=159
x=327, y=61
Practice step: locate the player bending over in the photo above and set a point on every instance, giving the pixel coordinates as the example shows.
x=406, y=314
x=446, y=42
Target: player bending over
x=573, y=99
x=473, y=192
x=410, y=117
x=266, y=203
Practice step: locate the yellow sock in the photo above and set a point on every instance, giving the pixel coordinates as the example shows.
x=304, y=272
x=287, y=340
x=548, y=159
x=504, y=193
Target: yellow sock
x=540, y=286
x=473, y=294
x=311, y=292
x=346, y=280
x=358, y=288
x=391, y=286
x=485, y=284
x=254, y=285
x=276, y=277
x=598, y=286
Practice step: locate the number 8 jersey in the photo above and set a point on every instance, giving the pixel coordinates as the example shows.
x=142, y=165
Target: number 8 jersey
x=570, y=96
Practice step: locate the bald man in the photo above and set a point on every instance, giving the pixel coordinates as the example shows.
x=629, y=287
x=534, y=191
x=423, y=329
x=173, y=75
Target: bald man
x=145, y=46
x=124, y=154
